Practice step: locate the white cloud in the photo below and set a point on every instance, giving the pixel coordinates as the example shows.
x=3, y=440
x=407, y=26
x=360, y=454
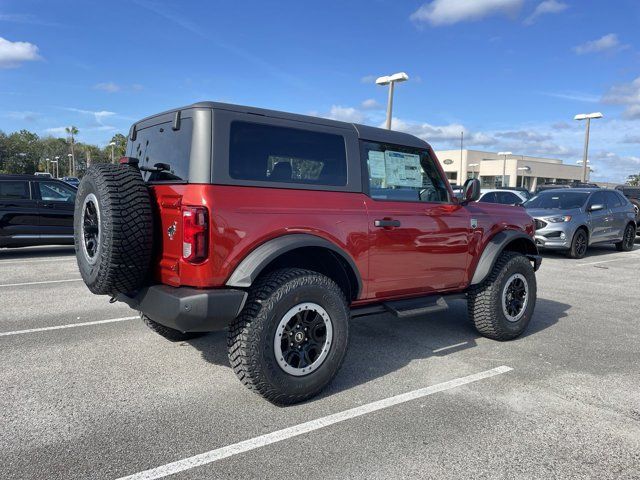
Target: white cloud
x=605, y=43
x=109, y=87
x=574, y=96
x=346, y=114
x=628, y=95
x=368, y=79
x=441, y=133
x=13, y=54
x=25, y=116
x=371, y=104
x=544, y=8
x=448, y=12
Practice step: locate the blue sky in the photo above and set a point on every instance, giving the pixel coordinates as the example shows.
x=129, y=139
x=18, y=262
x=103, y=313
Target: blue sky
x=511, y=74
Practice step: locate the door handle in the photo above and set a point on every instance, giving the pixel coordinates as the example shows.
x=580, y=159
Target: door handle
x=386, y=223
x=47, y=205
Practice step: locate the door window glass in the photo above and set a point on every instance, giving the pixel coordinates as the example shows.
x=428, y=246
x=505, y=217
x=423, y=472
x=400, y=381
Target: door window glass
x=14, y=190
x=401, y=173
x=598, y=198
x=56, y=192
x=489, y=198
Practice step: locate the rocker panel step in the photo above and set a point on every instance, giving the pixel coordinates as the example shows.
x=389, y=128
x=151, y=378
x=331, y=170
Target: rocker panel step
x=416, y=306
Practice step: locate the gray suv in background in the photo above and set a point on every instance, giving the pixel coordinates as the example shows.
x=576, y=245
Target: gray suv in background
x=573, y=219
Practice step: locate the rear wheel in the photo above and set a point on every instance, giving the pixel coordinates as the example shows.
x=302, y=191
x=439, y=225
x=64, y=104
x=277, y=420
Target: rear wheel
x=502, y=306
x=628, y=239
x=579, y=244
x=291, y=337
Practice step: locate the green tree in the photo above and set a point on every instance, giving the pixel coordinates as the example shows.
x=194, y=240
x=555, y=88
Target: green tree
x=633, y=180
x=72, y=132
x=120, y=147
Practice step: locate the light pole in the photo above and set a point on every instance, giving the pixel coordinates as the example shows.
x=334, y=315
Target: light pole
x=524, y=170
x=48, y=167
x=585, y=156
x=504, y=166
x=56, y=164
x=57, y=157
x=391, y=81
x=71, y=162
x=473, y=169
x=112, y=145
x=589, y=170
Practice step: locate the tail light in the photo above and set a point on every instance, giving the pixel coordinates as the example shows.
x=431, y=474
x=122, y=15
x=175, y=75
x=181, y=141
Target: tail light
x=195, y=232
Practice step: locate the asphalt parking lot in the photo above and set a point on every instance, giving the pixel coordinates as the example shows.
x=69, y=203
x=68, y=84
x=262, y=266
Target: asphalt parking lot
x=112, y=399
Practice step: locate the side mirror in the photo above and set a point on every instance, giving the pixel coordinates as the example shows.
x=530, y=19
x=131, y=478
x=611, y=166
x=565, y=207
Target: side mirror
x=595, y=207
x=471, y=191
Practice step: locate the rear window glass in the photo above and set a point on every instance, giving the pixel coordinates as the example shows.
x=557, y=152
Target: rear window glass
x=14, y=190
x=161, y=144
x=286, y=155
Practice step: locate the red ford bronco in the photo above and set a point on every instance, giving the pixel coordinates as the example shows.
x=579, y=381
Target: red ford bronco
x=283, y=227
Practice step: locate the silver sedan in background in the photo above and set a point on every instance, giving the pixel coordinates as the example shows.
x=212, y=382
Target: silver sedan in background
x=573, y=219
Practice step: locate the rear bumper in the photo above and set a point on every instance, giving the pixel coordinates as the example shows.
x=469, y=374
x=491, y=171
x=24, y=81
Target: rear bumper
x=188, y=309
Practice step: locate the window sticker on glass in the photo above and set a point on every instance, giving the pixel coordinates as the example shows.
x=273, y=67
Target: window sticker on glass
x=376, y=164
x=403, y=169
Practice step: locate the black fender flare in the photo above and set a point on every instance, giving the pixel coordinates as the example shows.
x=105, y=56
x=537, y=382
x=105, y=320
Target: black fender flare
x=496, y=246
x=250, y=267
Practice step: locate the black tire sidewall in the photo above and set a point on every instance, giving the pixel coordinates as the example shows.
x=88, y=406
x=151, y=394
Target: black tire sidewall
x=306, y=385
x=521, y=265
x=89, y=272
x=572, y=251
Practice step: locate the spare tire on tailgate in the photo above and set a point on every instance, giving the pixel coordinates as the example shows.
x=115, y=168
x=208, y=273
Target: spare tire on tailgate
x=113, y=225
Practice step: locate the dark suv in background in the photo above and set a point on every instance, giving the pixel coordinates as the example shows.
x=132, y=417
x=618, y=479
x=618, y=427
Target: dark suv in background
x=35, y=210
x=633, y=195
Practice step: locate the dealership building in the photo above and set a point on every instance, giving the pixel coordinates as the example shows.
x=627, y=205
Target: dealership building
x=518, y=170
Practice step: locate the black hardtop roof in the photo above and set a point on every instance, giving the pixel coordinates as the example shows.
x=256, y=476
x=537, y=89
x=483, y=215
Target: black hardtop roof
x=571, y=190
x=364, y=132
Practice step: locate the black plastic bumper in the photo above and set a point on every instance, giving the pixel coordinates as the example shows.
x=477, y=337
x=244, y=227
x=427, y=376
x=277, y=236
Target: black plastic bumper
x=188, y=309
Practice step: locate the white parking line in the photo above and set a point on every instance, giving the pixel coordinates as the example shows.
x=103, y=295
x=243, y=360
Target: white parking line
x=44, y=260
x=40, y=283
x=61, y=327
x=626, y=257
x=296, y=430
x=441, y=349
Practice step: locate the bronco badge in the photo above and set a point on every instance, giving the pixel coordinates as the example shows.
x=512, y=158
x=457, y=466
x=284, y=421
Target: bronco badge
x=171, y=231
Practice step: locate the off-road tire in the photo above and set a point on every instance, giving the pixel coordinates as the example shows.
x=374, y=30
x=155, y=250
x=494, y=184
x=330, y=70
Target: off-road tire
x=484, y=302
x=125, y=246
x=251, y=335
x=575, y=251
x=169, y=333
x=628, y=239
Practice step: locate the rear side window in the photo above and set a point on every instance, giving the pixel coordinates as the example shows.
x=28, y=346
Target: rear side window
x=489, y=198
x=161, y=144
x=56, y=192
x=403, y=174
x=14, y=190
x=286, y=155
x=613, y=200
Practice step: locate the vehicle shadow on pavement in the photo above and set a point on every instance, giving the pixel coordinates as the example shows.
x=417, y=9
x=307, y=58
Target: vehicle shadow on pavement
x=382, y=344
x=37, y=252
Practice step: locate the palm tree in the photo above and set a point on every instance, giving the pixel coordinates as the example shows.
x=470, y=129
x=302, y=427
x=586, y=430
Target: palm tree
x=72, y=132
x=633, y=180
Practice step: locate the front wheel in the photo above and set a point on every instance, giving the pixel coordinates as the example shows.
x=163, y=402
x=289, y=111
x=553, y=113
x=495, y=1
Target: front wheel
x=579, y=244
x=502, y=306
x=291, y=337
x=628, y=239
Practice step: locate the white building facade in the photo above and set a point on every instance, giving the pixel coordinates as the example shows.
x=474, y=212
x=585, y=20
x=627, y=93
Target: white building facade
x=518, y=170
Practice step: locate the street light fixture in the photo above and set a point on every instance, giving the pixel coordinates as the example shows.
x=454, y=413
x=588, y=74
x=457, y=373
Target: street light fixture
x=504, y=166
x=112, y=145
x=56, y=164
x=57, y=157
x=48, y=168
x=585, y=159
x=71, y=162
x=391, y=80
